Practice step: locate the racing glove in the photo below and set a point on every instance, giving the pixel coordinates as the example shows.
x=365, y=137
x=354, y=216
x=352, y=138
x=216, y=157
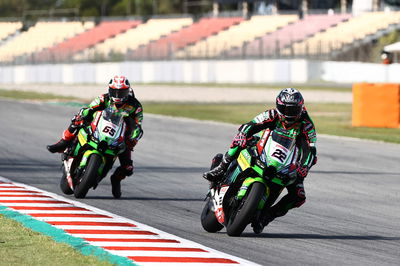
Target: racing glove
x=239, y=140
x=302, y=171
x=81, y=119
x=131, y=143
x=77, y=121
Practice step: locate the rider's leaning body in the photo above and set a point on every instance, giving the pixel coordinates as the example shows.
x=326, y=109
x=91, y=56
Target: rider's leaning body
x=120, y=96
x=269, y=119
x=289, y=114
x=133, y=114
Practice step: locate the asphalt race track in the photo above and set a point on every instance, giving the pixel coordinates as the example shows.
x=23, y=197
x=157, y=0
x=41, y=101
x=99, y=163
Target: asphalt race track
x=351, y=217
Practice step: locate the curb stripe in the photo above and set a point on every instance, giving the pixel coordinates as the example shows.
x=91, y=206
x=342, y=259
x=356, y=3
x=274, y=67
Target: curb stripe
x=49, y=208
x=181, y=259
x=69, y=215
x=113, y=235
x=131, y=240
x=60, y=236
x=24, y=195
x=116, y=232
x=18, y=191
x=156, y=249
x=33, y=201
x=90, y=223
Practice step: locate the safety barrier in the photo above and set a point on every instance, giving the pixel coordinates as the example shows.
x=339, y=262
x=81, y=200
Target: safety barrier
x=376, y=105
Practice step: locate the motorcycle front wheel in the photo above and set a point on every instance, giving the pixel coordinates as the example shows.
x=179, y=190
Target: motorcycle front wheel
x=242, y=216
x=89, y=176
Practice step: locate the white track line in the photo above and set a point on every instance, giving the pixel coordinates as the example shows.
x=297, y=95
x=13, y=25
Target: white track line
x=118, y=235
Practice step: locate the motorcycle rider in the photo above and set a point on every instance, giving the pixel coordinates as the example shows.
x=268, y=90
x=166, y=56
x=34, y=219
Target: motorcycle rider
x=122, y=96
x=289, y=113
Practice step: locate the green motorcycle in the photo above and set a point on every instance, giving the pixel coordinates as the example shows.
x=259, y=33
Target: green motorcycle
x=92, y=154
x=268, y=162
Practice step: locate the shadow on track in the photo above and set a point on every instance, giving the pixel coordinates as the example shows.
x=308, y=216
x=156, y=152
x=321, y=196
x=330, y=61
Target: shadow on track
x=352, y=172
x=319, y=236
x=32, y=166
x=165, y=169
x=40, y=165
x=142, y=198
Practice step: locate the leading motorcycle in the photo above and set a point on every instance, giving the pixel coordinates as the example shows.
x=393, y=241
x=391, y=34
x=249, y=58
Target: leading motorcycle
x=267, y=163
x=92, y=154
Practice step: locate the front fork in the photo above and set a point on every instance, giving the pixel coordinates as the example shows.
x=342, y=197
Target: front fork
x=83, y=163
x=245, y=188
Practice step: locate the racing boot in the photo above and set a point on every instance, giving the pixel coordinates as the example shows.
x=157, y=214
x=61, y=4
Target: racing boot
x=60, y=146
x=63, y=143
x=263, y=221
x=116, y=186
x=218, y=172
x=119, y=174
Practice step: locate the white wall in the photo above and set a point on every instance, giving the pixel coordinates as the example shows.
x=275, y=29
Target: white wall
x=360, y=6
x=203, y=71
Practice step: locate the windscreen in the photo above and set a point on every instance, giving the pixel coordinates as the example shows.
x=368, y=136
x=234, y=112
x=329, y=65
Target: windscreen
x=112, y=115
x=282, y=139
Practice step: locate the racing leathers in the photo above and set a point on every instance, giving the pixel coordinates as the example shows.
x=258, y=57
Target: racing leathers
x=133, y=120
x=306, y=141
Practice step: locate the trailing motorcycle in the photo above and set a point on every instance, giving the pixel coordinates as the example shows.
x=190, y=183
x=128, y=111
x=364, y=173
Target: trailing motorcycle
x=268, y=162
x=92, y=154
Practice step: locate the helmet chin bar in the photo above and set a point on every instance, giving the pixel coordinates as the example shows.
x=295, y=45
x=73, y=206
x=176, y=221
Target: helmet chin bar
x=119, y=103
x=288, y=120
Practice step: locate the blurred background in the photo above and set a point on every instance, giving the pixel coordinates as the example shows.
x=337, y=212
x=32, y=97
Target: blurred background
x=196, y=41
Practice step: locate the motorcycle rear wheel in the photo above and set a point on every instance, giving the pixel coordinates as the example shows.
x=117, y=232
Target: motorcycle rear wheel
x=89, y=176
x=208, y=219
x=242, y=216
x=64, y=183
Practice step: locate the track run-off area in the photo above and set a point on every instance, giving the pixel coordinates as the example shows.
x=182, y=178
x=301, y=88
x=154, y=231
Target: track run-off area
x=127, y=241
x=351, y=216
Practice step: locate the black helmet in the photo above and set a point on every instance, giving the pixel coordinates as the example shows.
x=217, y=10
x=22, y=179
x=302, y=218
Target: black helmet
x=289, y=104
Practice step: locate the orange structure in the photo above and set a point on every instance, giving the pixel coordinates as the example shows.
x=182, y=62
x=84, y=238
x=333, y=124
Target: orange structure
x=376, y=105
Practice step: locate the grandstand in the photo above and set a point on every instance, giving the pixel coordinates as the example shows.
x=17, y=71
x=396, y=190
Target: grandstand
x=165, y=47
x=260, y=36
x=9, y=28
x=87, y=39
x=42, y=35
x=272, y=44
x=152, y=30
x=335, y=38
x=236, y=36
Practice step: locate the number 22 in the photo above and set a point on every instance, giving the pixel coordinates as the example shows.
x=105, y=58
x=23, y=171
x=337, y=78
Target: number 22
x=279, y=154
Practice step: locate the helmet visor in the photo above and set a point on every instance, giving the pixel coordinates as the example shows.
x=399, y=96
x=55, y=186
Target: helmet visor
x=289, y=111
x=119, y=93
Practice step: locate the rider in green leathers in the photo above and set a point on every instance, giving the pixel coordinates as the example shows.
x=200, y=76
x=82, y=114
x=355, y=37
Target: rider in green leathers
x=121, y=95
x=289, y=113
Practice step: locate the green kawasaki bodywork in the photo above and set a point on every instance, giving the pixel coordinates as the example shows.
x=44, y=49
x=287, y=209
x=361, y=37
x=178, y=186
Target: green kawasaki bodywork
x=246, y=160
x=83, y=139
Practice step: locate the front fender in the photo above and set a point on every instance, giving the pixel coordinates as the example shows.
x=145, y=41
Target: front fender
x=86, y=156
x=245, y=186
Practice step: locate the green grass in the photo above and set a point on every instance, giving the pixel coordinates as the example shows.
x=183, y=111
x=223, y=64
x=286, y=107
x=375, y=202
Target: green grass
x=30, y=95
x=331, y=119
x=320, y=86
x=22, y=246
